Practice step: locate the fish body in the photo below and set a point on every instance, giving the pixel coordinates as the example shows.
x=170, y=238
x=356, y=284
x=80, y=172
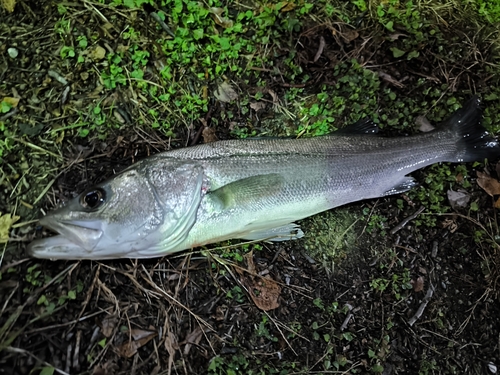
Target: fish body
x=250, y=189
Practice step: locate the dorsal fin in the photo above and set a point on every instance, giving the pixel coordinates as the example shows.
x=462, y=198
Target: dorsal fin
x=364, y=126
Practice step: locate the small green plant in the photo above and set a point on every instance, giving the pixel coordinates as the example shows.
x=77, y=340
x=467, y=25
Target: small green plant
x=115, y=74
x=375, y=223
x=62, y=27
x=263, y=330
x=67, y=52
x=4, y=108
x=236, y=294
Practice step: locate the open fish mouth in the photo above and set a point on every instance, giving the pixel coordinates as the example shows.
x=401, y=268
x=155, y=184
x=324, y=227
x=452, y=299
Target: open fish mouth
x=76, y=240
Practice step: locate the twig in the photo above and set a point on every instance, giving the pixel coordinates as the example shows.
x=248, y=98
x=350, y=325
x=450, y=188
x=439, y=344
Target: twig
x=401, y=225
x=321, y=47
x=23, y=351
x=422, y=306
x=347, y=318
x=163, y=25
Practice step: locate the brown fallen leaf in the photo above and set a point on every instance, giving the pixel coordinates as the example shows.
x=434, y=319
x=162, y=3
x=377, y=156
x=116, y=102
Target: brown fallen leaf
x=140, y=338
x=209, y=135
x=418, y=284
x=194, y=337
x=265, y=292
x=489, y=184
x=497, y=203
x=349, y=36
x=108, y=325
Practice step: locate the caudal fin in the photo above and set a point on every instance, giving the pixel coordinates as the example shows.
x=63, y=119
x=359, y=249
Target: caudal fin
x=474, y=143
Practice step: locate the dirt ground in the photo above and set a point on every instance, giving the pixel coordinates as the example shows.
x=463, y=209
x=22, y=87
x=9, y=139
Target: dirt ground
x=413, y=299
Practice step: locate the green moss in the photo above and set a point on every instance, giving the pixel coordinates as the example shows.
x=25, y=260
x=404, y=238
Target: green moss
x=331, y=236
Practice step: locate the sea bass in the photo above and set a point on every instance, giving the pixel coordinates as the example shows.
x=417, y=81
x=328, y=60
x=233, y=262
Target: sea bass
x=252, y=189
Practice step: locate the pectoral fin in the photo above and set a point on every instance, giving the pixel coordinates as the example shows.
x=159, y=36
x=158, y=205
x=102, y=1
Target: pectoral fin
x=248, y=190
x=284, y=233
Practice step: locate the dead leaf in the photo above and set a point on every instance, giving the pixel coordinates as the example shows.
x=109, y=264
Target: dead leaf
x=418, y=284
x=139, y=339
x=497, y=203
x=389, y=79
x=396, y=36
x=276, y=100
x=8, y=5
x=108, y=325
x=6, y=222
x=257, y=106
x=225, y=93
x=97, y=53
x=489, y=184
x=265, y=292
x=287, y=6
x=451, y=225
x=423, y=124
x=219, y=19
x=13, y=102
x=350, y=35
x=209, y=135
x=458, y=199
x=194, y=337
x=140, y=334
x=250, y=264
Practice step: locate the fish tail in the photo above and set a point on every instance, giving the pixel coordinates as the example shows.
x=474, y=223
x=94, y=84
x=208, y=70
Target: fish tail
x=474, y=142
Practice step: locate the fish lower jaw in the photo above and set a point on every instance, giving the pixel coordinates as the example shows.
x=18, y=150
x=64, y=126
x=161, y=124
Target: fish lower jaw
x=56, y=247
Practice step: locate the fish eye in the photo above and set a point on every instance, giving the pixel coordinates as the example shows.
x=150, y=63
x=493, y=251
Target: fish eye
x=93, y=198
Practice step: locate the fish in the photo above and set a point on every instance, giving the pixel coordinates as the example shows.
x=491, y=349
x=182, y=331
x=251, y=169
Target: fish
x=252, y=189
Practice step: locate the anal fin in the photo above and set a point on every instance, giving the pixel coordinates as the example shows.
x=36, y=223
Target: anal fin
x=406, y=184
x=284, y=233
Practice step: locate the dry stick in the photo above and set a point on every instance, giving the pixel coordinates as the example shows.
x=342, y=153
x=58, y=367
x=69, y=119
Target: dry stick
x=282, y=335
x=52, y=327
x=163, y=25
x=347, y=318
x=401, y=225
x=164, y=293
x=422, y=306
x=87, y=297
x=23, y=351
x=320, y=49
x=169, y=297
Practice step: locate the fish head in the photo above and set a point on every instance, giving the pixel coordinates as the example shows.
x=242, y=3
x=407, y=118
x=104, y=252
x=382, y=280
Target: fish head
x=125, y=216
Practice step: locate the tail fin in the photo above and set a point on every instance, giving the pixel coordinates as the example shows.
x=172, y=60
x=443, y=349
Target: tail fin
x=475, y=143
